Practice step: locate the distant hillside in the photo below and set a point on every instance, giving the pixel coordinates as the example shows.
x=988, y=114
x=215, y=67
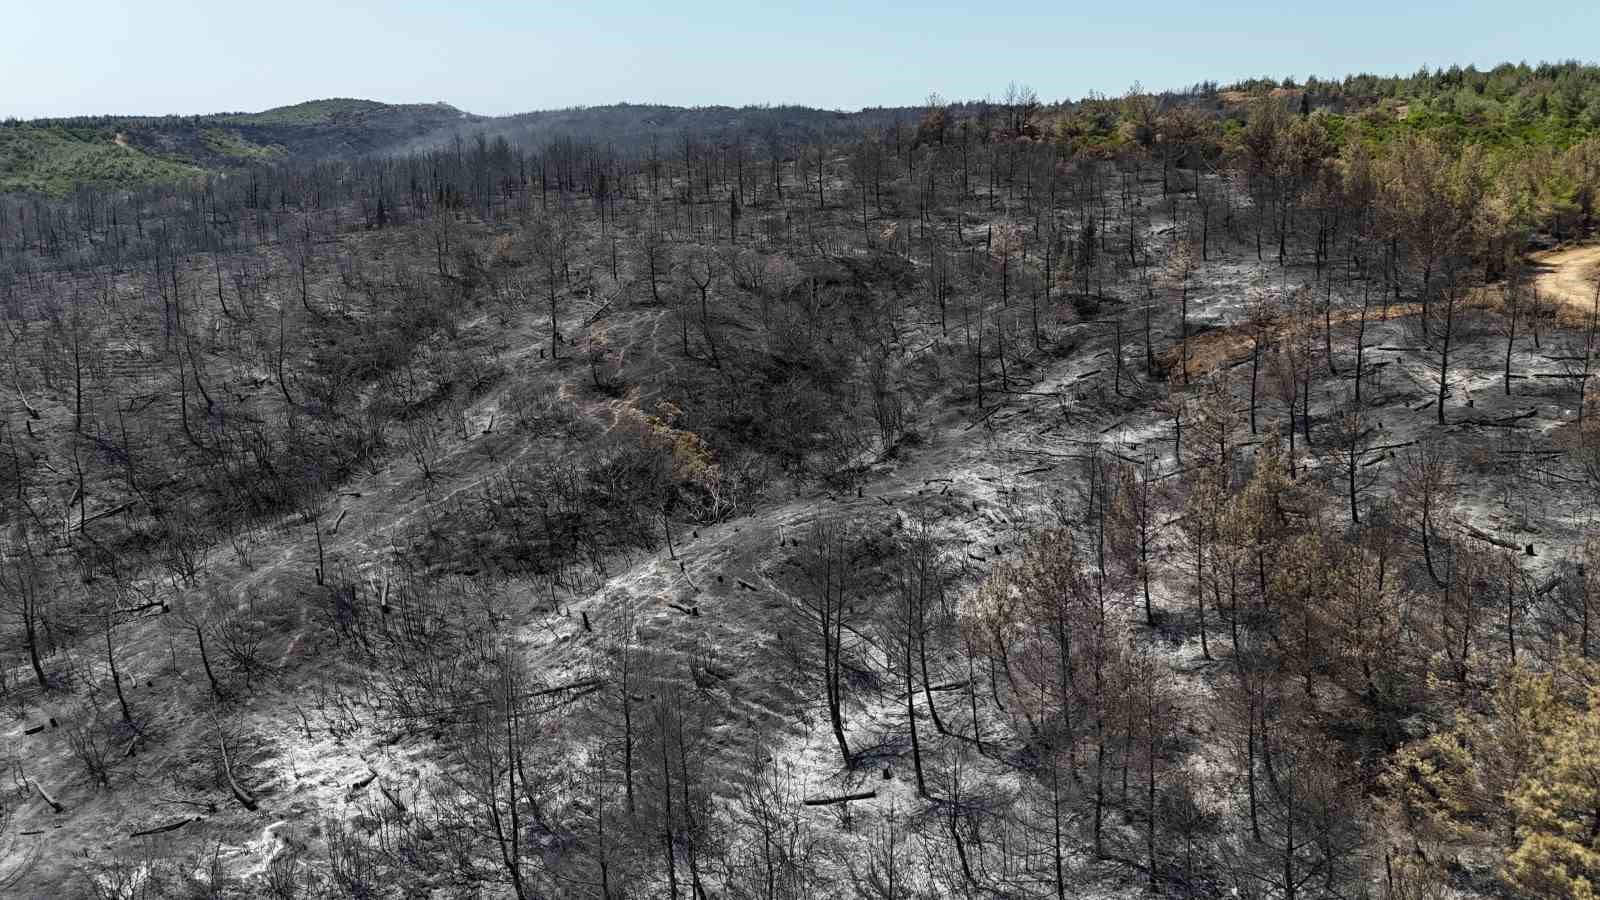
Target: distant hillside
x=1510, y=109
x=629, y=126
x=51, y=156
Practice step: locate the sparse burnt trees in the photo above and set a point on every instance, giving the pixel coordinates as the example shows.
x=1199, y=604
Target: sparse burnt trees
x=908, y=633
x=1152, y=719
x=301, y=245
x=1367, y=621
x=1444, y=324
x=1208, y=190
x=1460, y=604
x=1180, y=272
x=1364, y=316
x=1135, y=522
x=114, y=671
x=1290, y=367
x=773, y=142
x=1063, y=665
x=866, y=171
x=1514, y=290
x=1202, y=513
x=824, y=616
x=493, y=773
x=1353, y=437
x=682, y=814
x=1428, y=491
x=197, y=615
x=701, y=268
x=626, y=672
x=1573, y=608
x=1102, y=652
x=940, y=278
x=1020, y=104
x=814, y=162
x=27, y=597
x=1052, y=589
x=551, y=240
x=1261, y=313
x=778, y=860
x=1311, y=833
x=1304, y=592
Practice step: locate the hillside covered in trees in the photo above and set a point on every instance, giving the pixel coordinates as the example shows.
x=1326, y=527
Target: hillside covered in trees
x=55, y=156
x=1186, y=495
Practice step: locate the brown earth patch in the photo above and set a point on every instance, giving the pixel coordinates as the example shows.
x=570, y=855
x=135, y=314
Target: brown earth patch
x=1569, y=278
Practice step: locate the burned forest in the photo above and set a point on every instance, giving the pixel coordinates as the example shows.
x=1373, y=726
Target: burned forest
x=1186, y=494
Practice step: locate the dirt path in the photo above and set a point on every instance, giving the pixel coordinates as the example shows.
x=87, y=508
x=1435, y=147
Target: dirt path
x=1568, y=276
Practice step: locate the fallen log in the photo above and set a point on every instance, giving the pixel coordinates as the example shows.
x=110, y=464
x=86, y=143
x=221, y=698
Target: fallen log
x=163, y=829
x=843, y=798
x=134, y=610
x=985, y=417
x=1491, y=539
x=360, y=783
x=569, y=686
x=32, y=413
x=1502, y=422
x=942, y=688
x=745, y=584
x=389, y=796
x=55, y=805
x=207, y=805
x=245, y=798
x=104, y=513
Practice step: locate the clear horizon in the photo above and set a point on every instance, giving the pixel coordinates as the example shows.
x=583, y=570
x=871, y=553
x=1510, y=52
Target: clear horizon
x=496, y=58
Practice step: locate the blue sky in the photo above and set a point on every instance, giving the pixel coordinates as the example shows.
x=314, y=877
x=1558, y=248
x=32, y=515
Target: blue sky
x=69, y=57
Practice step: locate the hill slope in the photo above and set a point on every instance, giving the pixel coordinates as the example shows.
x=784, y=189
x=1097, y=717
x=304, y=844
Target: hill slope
x=52, y=156
x=1120, y=498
